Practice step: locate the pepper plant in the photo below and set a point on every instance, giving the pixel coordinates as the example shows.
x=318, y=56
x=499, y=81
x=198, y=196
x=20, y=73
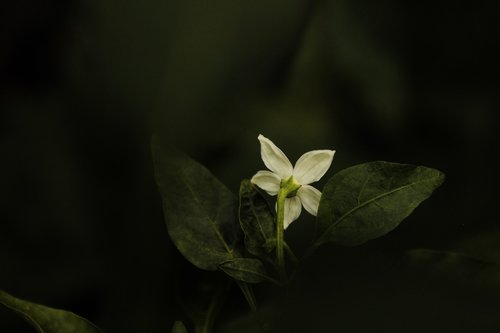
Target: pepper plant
x=244, y=235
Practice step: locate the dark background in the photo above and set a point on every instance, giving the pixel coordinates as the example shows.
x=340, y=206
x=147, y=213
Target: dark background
x=83, y=84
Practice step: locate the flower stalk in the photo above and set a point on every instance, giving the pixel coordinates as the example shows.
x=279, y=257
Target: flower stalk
x=288, y=188
x=280, y=217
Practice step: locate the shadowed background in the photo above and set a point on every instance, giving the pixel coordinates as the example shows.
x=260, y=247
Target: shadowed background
x=84, y=84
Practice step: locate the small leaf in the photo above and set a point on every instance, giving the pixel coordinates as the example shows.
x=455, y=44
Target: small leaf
x=257, y=221
x=200, y=212
x=48, y=320
x=246, y=270
x=179, y=327
x=368, y=200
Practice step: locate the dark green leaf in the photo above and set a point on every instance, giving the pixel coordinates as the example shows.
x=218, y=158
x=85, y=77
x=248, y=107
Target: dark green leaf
x=179, y=327
x=368, y=200
x=48, y=320
x=246, y=270
x=200, y=212
x=257, y=221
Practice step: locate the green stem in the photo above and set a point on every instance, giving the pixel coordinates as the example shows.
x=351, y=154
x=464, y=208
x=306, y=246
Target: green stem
x=280, y=217
x=252, y=303
x=249, y=295
x=213, y=309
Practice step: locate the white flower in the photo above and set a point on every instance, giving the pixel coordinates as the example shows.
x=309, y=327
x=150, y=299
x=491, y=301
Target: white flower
x=309, y=168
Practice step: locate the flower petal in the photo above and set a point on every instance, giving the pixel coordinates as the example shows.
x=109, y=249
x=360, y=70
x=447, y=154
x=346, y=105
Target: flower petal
x=310, y=198
x=268, y=181
x=312, y=166
x=292, y=210
x=274, y=158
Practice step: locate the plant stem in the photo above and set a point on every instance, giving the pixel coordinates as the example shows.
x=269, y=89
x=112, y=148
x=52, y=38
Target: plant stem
x=252, y=303
x=213, y=309
x=249, y=295
x=280, y=216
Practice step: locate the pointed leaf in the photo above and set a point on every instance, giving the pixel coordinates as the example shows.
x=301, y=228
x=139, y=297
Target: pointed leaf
x=246, y=270
x=179, y=327
x=200, y=212
x=48, y=320
x=368, y=200
x=257, y=221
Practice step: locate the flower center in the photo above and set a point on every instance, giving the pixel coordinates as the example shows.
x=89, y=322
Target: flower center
x=290, y=187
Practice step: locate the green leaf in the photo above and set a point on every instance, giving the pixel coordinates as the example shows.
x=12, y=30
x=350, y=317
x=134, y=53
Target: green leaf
x=48, y=320
x=200, y=212
x=179, y=327
x=246, y=270
x=257, y=221
x=367, y=201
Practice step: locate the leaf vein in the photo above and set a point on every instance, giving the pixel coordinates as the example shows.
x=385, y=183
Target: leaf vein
x=328, y=230
x=212, y=222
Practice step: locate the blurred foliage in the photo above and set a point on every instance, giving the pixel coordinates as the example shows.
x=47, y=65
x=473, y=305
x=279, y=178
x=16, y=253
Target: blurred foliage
x=83, y=85
x=45, y=319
